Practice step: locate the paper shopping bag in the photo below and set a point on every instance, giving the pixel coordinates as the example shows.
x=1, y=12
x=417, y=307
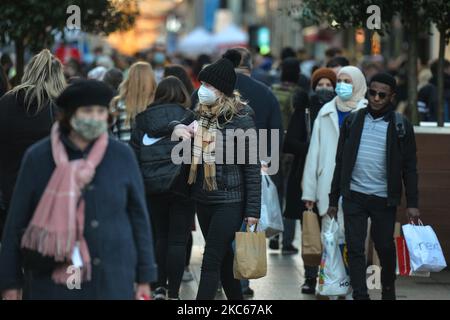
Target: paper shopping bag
x=250, y=257
x=404, y=261
x=311, y=242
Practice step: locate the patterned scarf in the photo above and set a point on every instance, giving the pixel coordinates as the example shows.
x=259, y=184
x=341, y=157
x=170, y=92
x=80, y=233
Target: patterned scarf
x=204, y=147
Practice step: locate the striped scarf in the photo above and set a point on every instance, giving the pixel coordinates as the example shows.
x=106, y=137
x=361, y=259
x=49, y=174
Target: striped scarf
x=204, y=147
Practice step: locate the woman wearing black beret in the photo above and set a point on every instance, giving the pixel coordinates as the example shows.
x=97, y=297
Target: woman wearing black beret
x=78, y=226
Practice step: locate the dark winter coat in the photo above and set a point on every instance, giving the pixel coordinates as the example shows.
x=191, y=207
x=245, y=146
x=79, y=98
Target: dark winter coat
x=296, y=143
x=155, y=160
x=315, y=104
x=117, y=227
x=236, y=182
x=18, y=131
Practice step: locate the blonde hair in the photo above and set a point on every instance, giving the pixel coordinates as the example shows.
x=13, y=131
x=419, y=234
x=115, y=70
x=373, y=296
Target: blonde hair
x=137, y=91
x=229, y=107
x=43, y=80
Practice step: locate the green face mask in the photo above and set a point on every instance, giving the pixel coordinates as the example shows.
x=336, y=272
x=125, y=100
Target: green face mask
x=89, y=129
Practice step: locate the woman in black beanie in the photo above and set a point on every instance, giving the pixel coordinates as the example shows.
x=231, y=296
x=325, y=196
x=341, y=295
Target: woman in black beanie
x=225, y=194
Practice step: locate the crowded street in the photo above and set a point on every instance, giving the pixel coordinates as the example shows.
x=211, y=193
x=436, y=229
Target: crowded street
x=201, y=150
x=286, y=272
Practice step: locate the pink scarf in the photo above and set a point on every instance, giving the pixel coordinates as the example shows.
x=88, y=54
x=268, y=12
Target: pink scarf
x=58, y=222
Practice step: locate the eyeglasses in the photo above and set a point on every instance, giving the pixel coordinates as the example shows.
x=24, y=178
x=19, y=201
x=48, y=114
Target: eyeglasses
x=373, y=93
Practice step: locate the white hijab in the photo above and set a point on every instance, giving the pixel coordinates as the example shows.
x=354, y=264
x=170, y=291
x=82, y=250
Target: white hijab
x=359, y=89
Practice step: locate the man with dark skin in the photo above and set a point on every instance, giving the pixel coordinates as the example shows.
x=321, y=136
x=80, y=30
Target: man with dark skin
x=374, y=158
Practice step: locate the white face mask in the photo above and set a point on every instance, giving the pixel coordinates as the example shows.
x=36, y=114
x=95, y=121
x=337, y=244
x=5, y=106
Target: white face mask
x=206, y=96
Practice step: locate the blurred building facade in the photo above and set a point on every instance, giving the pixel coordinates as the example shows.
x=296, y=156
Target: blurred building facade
x=166, y=21
x=250, y=15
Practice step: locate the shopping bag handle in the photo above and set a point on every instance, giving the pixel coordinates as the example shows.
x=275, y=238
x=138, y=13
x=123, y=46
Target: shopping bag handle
x=419, y=222
x=248, y=228
x=332, y=224
x=266, y=178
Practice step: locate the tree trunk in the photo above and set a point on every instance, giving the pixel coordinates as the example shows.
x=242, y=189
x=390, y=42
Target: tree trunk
x=20, y=64
x=412, y=73
x=440, y=79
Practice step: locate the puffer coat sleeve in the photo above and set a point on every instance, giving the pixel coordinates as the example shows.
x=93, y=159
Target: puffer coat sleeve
x=251, y=172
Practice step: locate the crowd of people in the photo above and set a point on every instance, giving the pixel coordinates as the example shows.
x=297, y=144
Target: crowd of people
x=87, y=177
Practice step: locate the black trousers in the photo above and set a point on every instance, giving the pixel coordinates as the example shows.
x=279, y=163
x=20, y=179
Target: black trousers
x=171, y=217
x=2, y=222
x=219, y=223
x=357, y=208
x=189, y=245
x=4, y=205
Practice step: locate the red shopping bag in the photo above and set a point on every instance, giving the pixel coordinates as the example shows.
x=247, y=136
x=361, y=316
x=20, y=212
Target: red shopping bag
x=403, y=260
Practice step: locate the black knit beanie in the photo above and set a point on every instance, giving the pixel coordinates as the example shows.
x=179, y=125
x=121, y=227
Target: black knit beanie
x=84, y=93
x=220, y=75
x=385, y=78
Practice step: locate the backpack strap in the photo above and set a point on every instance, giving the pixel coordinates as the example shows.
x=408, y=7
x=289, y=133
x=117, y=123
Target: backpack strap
x=399, y=126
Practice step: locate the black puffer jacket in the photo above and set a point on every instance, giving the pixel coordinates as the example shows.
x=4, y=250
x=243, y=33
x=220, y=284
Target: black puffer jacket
x=236, y=182
x=155, y=161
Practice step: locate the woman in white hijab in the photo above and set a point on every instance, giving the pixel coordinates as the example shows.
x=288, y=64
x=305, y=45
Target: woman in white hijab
x=320, y=161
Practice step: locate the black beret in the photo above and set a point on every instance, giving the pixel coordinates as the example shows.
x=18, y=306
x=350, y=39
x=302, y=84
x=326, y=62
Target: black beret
x=385, y=78
x=84, y=93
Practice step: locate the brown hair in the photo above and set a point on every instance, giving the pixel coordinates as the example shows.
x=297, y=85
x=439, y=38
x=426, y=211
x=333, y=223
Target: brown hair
x=180, y=73
x=172, y=90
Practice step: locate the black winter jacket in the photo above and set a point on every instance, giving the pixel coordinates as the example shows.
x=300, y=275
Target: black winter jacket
x=296, y=143
x=401, y=164
x=155, y=161
x=236, y=182
x=18, y=131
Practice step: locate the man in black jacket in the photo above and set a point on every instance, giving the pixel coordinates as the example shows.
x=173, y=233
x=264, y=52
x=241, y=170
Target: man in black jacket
x=376, y=152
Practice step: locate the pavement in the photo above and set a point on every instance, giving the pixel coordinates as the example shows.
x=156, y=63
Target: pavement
x=285, y=275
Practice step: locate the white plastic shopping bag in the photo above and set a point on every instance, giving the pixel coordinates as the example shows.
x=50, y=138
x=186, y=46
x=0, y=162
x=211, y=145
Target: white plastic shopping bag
x=271, y=220
x=333, y=277
x=425, y=252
